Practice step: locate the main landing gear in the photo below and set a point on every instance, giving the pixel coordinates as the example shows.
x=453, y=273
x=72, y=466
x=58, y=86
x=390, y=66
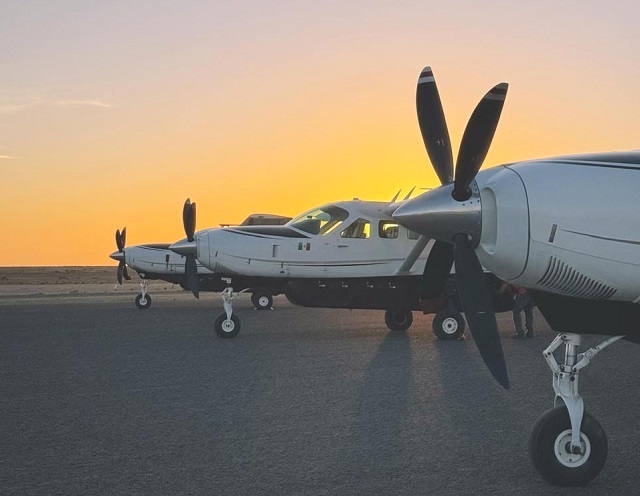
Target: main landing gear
x=568, y=446
x=398, y=320
x=143, y=300
x=448, y=323
x=262, y=301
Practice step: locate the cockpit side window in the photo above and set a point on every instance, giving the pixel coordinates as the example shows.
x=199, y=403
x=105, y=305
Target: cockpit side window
x=388, y=229
x=361, y=229
x=320, y=221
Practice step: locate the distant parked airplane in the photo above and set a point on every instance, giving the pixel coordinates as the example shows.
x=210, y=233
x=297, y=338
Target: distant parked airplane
x=157, y=262
x=349, y=254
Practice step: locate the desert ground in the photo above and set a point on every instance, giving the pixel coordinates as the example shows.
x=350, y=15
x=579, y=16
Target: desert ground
x=50, y=276
x=42, y=282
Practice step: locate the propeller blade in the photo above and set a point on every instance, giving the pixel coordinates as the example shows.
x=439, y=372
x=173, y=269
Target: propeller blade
x=125, y=273
x=119, y=242
x=123, y=236
x=433, y=126
x=478, y=310
x=185, y=214
x=191, y=270
x=121, y=266
x=477, y=138
x=189, y=219
x=436, y=270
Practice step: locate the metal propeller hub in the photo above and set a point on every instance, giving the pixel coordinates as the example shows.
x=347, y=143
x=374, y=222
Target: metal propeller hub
x=118, y=256
x=185, y=247
x=438, y=213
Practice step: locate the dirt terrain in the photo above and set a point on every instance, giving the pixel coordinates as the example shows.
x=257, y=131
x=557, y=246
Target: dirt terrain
x=71, y=280
x=57, y=275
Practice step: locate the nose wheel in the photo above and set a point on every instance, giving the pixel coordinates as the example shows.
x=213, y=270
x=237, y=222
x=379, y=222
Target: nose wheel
x=556, y=459
x=143, y=300
x=227, y=325
x=568, y=447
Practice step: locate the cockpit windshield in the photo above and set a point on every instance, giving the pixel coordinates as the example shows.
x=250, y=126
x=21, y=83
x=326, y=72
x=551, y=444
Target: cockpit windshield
x=320, y=220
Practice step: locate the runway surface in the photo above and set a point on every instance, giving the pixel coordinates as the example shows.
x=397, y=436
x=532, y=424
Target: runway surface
x=101, y=398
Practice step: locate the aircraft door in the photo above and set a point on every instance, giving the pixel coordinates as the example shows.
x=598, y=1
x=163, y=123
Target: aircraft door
x=280, y=251
x=353, y=244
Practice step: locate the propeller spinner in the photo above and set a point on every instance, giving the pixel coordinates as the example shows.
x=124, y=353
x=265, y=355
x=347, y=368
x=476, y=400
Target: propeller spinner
x=119, y=255
x=451, y=214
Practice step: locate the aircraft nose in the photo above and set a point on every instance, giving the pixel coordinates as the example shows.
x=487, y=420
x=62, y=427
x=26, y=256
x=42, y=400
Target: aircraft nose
x=118, y=256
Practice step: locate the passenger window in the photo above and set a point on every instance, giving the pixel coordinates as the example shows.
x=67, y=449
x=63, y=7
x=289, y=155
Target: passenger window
x=359, y=229
x=388, y=229
x=412, y=235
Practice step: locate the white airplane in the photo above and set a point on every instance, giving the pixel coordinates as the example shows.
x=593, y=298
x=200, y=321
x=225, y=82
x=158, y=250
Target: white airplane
x=347, y=254
x=566, y=229
x=157, y=262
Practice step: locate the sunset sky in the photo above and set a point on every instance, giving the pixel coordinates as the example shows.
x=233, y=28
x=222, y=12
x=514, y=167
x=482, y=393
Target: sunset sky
x=113, y=112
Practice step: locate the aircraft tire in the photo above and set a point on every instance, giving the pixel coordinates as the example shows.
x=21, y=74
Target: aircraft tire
x=550, y=439
x=448, y=324
x=226, y=328
x=143, y=304
x=262, y=301
x=398, y=320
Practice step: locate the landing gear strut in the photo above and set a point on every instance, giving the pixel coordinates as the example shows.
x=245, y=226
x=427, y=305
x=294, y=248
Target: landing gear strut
x=227, y=325
x=568, y=446
x=143, y=300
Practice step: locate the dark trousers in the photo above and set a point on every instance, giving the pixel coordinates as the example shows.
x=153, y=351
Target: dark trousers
x=524, y=303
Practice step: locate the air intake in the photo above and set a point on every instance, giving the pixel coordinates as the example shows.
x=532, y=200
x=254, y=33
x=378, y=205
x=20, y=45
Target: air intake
x=560, y=277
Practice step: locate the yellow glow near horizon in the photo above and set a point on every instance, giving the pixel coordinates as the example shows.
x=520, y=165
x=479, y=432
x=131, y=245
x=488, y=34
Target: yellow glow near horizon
x=277, y=110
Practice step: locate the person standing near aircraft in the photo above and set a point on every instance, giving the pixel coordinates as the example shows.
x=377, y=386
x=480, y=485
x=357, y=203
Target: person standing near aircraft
x=522, y=301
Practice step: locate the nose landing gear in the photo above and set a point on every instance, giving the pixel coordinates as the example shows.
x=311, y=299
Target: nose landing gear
x=143, y=300
x=567, y=445
x=227, y=325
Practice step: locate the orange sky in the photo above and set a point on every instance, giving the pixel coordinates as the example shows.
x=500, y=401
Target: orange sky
x=112, y=113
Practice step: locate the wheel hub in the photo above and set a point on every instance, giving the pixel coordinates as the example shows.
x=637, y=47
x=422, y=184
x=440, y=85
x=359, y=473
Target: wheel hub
x=450, y=325
x=228, y=325
x=263, y=301
x=400, y=318
x=567, y=455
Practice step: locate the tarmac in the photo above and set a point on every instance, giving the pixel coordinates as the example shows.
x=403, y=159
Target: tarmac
x=99, y=397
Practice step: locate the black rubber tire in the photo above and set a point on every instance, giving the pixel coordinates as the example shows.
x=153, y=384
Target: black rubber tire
x=262, y=301
x=575, y=470
x=227, y=330
x=143, y=305
x=398, y=320
x=448, y=324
